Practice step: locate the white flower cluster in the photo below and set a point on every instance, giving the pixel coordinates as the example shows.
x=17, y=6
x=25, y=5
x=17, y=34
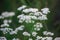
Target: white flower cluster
x=7, y=14
x=48, y=33
x=34, y=34
x=45, y=10
x=3, y=38
x=30, y=10
x=22, y=7
x=5, y=23
x=30, y=39
x=33, y=13
x=15, y=39
x=26, y=34
x=6, y=30
x=43, y=38
x=38, y=26
x=17, y=29
x=11, y=31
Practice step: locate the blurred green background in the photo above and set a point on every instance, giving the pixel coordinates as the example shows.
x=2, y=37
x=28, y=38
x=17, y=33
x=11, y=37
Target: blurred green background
x=53, y=22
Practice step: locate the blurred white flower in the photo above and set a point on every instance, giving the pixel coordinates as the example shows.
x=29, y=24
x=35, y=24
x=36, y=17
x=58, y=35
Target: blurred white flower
x=49, y=38
x=8, y=14
x=21, y=21
x=13, y=32
x=30, y=39
x=45, y=10
x=37, y=29
x=34, y=34
x=43, y=17
x=45, y=32
x=5, y=25
x=22, y=7
x=7, y=21
x=6, y=30
x=48, y=33
x=38, y=26
x=15, y=39
x=19, y=16
x=34, y=17
x=44, y=38
x=38, y=14
x=57, y=38
x=38, y=37
x=31, y=14
x=26, y=34
x=3, y=38
x=10, y=21
x=20, y=28
x=30, y=10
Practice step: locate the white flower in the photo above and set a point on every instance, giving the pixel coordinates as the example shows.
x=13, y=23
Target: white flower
x=9, y=21
x=30, y=39
x=37, y=29
x=15, y=39
x=13, y=32
x=57, y=38
x=6, y=30
x=38, y=37
x=19, y=16
x=45, y=33
x=31, y=14
x=34, y=17
x=38, y=14
x=20, y=28
x=3, y=38
x=26, y=34
x=33, y=9
x=11, y=13
x=8, y=14
x=28, y=21
x=43, y=17
x=48, y=33
x=5, y=25
x=21, y=21
x=30, y=10
x=34, y=34
x=38, y=25
x=44, y=38
x=45, y=10
x=6, y=21
x=26, y=11
x=49, y=38
x=52, y=34
x=22, y=7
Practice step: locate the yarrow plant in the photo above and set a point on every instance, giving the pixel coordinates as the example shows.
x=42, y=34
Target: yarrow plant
x=28, y=16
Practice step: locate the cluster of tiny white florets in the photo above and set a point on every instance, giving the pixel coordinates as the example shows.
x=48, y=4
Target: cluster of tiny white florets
x=38, y=26
x=30, y=16
x=48, y=33
x=11, y=31
x=6, y=14
x=6, y=23
x=43, y=38
x=15, y=39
